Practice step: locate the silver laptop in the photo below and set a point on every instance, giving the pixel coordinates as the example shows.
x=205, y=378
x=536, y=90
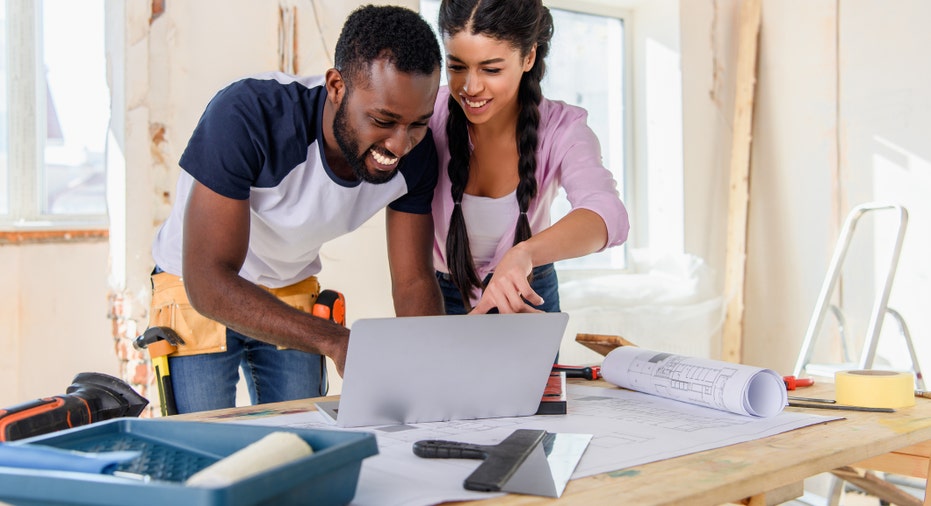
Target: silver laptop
x=438, y=368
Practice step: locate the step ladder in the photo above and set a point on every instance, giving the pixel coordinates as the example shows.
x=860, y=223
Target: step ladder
x=880, y=307
x=880, y=310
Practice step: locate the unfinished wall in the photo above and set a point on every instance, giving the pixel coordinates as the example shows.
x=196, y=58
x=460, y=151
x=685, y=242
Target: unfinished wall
x=841, y=107
x=174, y=66
x=53, y=318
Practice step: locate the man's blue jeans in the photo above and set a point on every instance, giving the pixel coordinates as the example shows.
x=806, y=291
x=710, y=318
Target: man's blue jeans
x=544, y=282
x=208, y=381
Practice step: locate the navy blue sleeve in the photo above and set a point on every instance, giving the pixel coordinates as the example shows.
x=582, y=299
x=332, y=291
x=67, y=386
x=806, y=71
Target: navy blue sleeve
x=251, y=134
x=419, y=169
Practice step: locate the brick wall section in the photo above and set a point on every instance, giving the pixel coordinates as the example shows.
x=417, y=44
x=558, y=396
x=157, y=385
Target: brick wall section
x=135, y=366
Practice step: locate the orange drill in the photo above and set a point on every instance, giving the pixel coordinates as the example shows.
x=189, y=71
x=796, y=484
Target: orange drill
x=92, y=397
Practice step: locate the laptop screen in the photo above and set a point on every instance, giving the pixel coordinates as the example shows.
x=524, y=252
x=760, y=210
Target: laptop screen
x=438, y=368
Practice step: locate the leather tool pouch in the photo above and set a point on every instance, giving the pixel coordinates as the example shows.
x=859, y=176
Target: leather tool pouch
x=171, y=308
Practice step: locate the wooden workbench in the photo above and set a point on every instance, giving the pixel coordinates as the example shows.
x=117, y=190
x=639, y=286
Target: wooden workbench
x=754, y=472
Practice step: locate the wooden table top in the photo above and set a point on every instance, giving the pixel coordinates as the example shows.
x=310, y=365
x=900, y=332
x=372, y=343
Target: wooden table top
x=722, y=475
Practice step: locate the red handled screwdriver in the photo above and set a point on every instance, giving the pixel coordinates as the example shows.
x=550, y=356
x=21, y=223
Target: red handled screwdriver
x=792, y=382
x=587, y=372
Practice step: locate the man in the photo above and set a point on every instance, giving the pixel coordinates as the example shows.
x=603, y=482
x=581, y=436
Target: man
x=277, y=166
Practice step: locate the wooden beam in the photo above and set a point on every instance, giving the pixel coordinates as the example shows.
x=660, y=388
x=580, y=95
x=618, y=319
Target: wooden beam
x=871, y=484
x=911, y=461
x=52, y=236
x=739, y=194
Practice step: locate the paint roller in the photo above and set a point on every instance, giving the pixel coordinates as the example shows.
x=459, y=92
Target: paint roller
x=273, y=450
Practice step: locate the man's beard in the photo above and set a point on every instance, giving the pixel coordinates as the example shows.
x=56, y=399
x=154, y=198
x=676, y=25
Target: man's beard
x=349, y=146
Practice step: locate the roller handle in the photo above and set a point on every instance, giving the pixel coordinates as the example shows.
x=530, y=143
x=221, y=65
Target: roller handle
x=439, y=449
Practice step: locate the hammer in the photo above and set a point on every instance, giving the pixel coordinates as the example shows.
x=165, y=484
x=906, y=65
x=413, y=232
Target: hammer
x=161, y=342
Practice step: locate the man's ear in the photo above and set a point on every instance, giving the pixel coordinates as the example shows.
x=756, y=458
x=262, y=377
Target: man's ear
x=335, y=86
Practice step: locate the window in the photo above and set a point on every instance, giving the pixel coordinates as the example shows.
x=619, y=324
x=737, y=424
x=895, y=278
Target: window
x=593, y=79
x=54, y=114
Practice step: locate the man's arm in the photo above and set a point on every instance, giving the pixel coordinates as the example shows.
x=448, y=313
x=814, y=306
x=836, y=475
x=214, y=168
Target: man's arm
x=216, y=239
x=410, y=257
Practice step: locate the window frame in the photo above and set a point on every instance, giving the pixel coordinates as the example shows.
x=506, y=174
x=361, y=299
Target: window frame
x=624, y=14
x=25, y=159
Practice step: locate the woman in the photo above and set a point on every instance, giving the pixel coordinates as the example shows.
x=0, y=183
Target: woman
x=507, y=150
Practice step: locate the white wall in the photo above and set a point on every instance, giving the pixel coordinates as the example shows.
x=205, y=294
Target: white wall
x=834, y=126
x=53, y=318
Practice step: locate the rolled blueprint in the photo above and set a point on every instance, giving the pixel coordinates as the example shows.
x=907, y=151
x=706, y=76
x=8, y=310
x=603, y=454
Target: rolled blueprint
x=273, y=450
x=741, y=389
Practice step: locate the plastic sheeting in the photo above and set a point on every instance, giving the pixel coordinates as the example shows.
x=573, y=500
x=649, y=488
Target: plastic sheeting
x=663, y=303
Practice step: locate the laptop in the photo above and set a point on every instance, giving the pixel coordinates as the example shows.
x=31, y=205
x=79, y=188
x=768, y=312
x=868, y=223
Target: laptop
x=438, y=368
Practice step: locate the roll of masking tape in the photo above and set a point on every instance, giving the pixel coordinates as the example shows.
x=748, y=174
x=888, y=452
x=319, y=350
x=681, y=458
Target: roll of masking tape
x=875, y=389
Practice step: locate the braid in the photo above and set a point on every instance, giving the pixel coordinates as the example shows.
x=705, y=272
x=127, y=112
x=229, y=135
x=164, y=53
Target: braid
x=525, y=25
x=459, y=253
x=528, y=122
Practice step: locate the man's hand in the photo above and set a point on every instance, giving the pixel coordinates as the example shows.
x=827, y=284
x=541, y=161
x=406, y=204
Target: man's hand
x=509, y=290
x=337, y=352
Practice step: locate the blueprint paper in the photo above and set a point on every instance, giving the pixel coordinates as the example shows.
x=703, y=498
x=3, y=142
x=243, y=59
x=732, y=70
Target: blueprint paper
x=629, y=429
x=737, y=388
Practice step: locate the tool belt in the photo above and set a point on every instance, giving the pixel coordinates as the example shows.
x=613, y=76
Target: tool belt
x=171, y=308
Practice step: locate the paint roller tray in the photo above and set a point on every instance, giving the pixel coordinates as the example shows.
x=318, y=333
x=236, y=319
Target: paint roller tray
x=174, y=450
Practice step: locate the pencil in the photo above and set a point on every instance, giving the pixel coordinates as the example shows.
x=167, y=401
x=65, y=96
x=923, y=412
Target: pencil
x=841, y=407
x=811, y=399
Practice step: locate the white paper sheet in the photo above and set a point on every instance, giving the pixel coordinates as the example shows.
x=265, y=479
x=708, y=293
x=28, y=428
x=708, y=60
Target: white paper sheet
x=629, y=428
x=737, y=388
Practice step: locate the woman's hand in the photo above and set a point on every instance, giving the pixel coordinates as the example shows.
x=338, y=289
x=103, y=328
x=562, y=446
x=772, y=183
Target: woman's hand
x=509, y=290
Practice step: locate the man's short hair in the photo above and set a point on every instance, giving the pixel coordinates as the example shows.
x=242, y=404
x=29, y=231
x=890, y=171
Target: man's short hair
x=388, y=32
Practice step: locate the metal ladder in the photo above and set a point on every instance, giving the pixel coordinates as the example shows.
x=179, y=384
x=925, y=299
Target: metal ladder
x=880, y=308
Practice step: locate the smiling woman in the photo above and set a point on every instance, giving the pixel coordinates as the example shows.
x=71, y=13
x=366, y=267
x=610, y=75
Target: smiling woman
x=499, y=136
x=596, y=81
x=55, y=115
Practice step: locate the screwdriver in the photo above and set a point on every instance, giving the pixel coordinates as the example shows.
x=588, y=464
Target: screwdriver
x=587, y=372
x=792, y=382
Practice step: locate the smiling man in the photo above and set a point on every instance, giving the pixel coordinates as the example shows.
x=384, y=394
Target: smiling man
x=277, y=166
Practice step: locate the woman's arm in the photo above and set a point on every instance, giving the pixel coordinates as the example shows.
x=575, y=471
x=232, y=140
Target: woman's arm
x=579, y=233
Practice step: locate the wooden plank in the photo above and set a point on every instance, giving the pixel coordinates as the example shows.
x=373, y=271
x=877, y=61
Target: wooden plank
x=912, y=461
x=774, y=497
x=878, y=487
x=928, y=485
x=920, y=449
x=785, y=493
x=739, y=194
x=897, y=463
x=52, y=236
x=602, y=343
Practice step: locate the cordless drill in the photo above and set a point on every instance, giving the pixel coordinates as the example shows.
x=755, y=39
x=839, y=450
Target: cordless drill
x=92, y=397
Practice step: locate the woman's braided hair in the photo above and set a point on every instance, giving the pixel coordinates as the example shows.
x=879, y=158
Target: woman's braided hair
x=523, y=24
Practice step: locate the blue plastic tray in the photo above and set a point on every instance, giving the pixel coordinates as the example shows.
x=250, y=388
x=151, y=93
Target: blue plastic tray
x=174, y=450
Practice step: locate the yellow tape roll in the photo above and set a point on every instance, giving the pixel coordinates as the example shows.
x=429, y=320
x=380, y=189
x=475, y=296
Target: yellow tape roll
x=875, y=389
